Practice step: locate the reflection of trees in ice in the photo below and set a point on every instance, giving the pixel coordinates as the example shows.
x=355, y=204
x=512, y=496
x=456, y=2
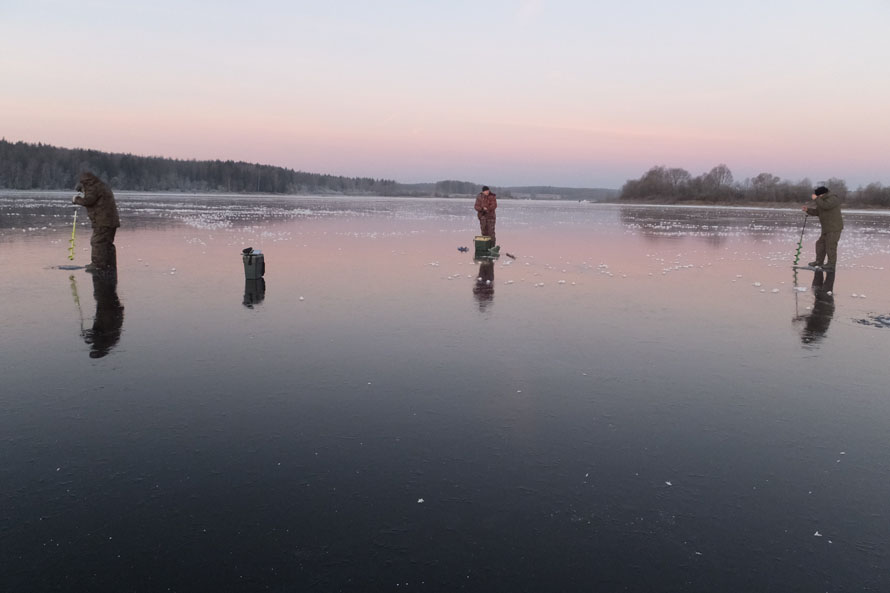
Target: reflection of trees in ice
x=715, y=225
x=709, y=224
x=209, y=222
x=29, y=213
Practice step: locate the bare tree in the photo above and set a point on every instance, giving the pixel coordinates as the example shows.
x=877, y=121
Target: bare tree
x=764, y=187
x=838, y=187
x=719, y=177
x=680, y=179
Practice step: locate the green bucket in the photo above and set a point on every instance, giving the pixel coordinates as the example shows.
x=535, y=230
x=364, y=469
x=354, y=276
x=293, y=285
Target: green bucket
x=483, y=245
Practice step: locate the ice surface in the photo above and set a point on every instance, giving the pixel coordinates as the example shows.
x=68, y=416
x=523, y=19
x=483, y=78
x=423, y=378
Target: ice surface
x=637, y=377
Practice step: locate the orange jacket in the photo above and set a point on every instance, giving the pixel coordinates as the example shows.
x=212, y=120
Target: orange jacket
x=486, y=205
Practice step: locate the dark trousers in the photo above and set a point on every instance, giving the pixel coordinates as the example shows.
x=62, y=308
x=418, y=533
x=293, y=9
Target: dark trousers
x=103, y=255
x=487, y=226
x=827, y=245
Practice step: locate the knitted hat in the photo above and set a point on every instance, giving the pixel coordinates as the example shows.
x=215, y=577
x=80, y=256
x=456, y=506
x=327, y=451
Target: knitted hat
x=821, y=190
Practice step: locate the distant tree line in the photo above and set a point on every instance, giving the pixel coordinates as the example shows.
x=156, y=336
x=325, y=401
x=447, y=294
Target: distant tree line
x=671, y=185
x=28, y=166
x=451, y=187
x=41, y=166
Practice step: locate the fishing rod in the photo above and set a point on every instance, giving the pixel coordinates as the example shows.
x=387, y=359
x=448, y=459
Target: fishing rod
x=800, y=243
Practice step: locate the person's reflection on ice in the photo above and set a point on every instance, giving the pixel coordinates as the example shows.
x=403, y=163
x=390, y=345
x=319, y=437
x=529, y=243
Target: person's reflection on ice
x=817, y=321
x=109, y=319
x=483, y=289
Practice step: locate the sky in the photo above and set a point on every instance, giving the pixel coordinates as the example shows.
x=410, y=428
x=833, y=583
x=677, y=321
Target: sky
x=522, y=92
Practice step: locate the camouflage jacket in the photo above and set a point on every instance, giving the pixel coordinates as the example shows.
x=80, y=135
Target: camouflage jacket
x=99, y=201
x=828, y=209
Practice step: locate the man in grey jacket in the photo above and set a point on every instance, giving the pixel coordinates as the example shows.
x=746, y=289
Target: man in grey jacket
x=828, y=208
x=102, y=210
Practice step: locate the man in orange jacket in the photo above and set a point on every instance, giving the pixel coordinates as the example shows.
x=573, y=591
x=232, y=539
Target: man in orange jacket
x=486, y=204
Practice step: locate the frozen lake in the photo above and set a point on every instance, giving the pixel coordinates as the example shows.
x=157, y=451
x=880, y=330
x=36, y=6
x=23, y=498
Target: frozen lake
x=645, y=399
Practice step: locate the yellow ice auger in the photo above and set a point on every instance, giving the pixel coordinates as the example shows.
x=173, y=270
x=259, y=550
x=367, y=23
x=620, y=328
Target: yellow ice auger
x=74, y=230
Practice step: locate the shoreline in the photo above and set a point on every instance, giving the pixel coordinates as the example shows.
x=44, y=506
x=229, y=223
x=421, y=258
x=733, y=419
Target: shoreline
x=771, y=205
x=683, y=203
